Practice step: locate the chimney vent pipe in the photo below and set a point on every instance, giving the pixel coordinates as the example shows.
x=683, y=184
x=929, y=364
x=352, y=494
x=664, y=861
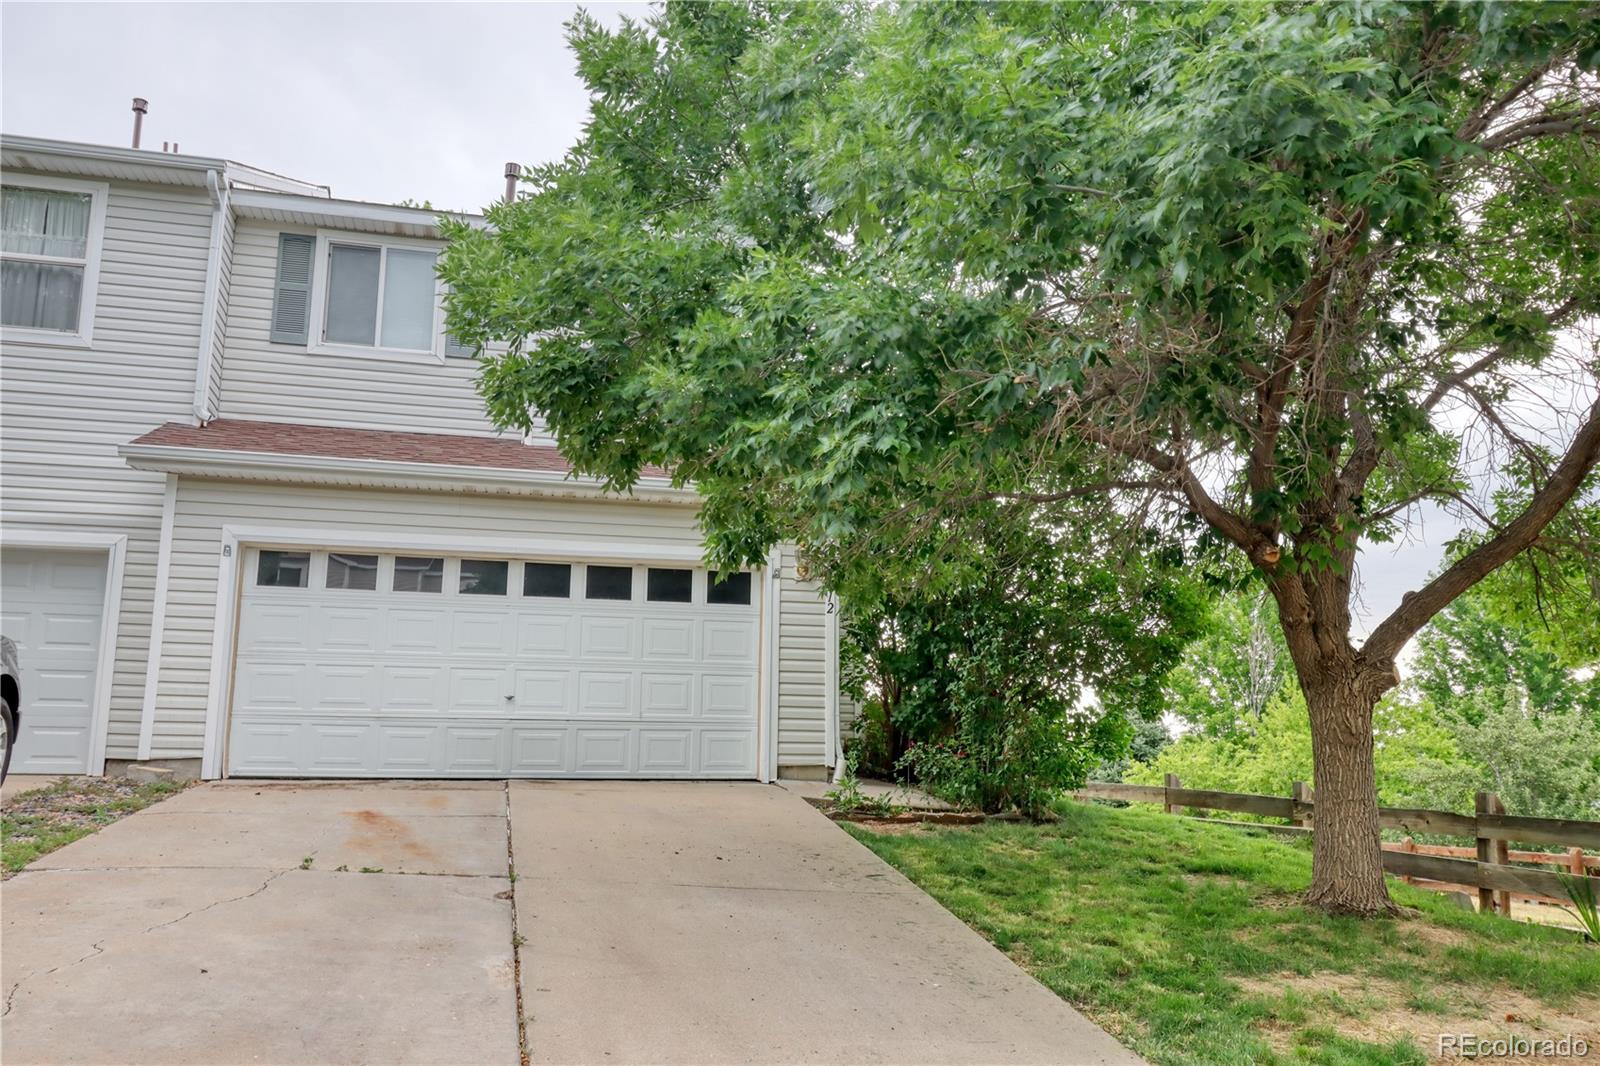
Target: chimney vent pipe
x=513, y=172
x=140, y=106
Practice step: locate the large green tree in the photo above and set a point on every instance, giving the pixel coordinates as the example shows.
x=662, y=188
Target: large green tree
x=1270, y=273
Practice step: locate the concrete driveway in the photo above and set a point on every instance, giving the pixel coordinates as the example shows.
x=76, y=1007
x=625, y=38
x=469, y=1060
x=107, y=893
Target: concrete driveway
x=652, y=923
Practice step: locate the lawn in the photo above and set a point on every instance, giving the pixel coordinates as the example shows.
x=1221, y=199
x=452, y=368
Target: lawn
x=39, y=821
x=1188, y=942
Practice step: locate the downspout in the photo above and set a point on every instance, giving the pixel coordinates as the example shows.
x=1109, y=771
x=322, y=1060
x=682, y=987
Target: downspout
x=203, y=363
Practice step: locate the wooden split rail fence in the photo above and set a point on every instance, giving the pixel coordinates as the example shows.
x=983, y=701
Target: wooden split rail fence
x=1489, y=866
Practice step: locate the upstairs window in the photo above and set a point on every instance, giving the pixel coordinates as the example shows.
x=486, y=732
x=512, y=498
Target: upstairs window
x=380, y=297
x=50, y=233
x=340, y=295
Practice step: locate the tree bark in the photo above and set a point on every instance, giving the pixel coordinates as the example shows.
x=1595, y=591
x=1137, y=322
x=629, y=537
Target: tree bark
x=1347, y=855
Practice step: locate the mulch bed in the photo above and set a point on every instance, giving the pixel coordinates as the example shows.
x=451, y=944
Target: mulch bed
x=903, y=816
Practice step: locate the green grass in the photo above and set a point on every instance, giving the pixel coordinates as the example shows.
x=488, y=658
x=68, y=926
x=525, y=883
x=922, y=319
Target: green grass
x=39, y=821
x=1185, y=940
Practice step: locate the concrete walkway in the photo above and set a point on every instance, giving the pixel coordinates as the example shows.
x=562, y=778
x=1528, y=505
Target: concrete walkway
x=659, y=923
x=189, y=933
x=733, y=923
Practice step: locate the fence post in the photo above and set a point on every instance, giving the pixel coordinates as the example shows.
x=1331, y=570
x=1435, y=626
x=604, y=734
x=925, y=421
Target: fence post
x=1302, y=795
x=1409, y=844
x=1575, y=861
x=1171, y=783
x=1492, y=851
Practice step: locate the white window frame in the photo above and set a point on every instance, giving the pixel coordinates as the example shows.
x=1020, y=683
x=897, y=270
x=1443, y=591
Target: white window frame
x=322, y=273
x=99, y=192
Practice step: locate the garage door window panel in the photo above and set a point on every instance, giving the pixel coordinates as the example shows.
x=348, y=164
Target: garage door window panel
x=413, y=573
x=734, y=590
x=346, y=571
x=281, y=569
x=669, y=586
x=483, y=577
x=547, y=580
x=608, y=582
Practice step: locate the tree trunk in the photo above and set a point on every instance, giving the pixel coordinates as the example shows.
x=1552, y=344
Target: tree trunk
x=1347, y=856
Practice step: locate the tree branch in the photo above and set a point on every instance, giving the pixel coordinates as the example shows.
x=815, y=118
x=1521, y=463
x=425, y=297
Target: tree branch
x=1418, y=607
x=1482, y=120
x=1443, y=387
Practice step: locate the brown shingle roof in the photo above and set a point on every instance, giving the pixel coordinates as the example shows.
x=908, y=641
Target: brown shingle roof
x=287, y=438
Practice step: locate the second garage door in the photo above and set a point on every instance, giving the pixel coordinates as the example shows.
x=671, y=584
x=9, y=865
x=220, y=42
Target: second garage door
x=357, y=664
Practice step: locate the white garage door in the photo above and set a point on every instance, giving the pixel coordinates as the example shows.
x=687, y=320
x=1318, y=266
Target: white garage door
x=53, y=603
x=355, y=664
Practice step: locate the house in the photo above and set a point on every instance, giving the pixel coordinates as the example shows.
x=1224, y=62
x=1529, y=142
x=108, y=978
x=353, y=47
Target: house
x=256, y=523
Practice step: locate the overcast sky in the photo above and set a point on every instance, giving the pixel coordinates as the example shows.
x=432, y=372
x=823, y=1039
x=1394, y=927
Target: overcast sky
x=381, y=101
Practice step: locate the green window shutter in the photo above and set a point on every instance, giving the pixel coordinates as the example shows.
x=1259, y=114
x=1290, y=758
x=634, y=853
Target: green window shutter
x=291, y=297
x=454, y=349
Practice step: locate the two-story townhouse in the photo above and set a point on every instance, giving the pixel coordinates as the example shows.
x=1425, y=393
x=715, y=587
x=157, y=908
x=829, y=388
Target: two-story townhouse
x=256, y=523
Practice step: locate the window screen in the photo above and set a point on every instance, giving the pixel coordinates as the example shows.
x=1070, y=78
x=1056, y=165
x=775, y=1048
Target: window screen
x=483, y=577
x=547, y=579
x=277, y=569
x=352, y=315
x=352, y=571
x=408, y=299
x=734, y=589
x=417, y=573
x=608, y=582
x=669, y=586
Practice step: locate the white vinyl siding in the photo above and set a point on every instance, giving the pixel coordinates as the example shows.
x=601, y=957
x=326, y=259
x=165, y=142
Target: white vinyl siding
x=290, y=383
x=802, y=669
x=65, y=410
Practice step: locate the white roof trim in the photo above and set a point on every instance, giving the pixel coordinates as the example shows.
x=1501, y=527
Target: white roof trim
x=342, y=214
x=140, y=164
x=388, y=474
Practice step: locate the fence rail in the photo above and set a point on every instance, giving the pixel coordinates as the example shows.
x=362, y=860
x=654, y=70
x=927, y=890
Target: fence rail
x=1489, y=866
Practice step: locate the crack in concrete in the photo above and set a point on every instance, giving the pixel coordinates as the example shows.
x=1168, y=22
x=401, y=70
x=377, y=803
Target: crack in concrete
x=523, y=1052
x=98, y=948
x=232, y=899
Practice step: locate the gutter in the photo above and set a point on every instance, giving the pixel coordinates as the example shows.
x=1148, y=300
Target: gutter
x=107, y=154
x=336, y=470
x=204, y=362
x=328, y=211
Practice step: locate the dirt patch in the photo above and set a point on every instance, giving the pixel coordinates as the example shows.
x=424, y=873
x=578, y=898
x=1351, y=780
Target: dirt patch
x=1380, y=1011
x=1437, y=934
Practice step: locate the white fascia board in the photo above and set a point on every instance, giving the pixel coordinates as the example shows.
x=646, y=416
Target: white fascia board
x=178, y=168
x=382, y=473
x=339, y=214
x=181, y=169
